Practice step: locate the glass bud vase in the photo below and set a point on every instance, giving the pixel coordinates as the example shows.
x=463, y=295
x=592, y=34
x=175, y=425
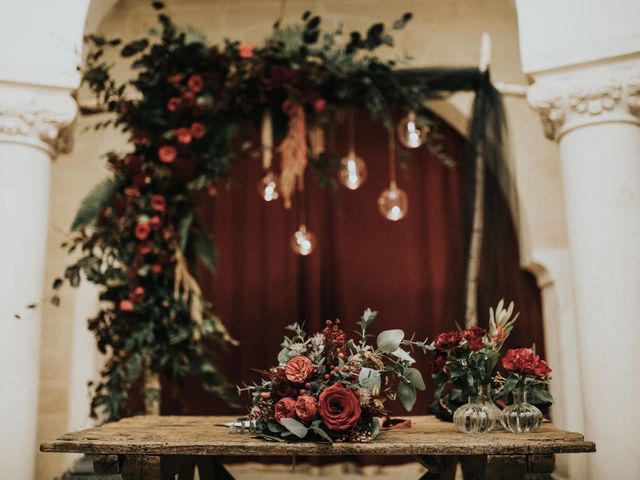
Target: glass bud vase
x=487, y=400
x=521, y=417
x=473, y=417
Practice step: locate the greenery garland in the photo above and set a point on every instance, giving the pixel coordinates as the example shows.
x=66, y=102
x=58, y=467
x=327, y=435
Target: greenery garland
x=138, y=233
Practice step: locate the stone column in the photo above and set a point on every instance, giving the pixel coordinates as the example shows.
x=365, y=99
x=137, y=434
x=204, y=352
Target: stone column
x=31, y=121
x=592, y=111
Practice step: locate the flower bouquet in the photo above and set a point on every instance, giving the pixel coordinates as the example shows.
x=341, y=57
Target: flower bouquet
x=328, y=387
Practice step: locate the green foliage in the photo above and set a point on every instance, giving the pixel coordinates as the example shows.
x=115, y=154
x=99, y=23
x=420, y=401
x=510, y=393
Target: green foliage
x=94, y=203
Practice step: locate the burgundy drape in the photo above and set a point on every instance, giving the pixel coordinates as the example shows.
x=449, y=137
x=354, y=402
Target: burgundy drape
x=411, y=271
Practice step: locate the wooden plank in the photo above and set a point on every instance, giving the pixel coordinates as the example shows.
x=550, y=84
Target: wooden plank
x=157, y=435
x=506, y=467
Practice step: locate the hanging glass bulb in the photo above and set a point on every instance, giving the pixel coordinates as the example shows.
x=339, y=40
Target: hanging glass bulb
x=353, y=171
x=303, y=241
x=393, y=203
x=268, y=187
x=410, y=133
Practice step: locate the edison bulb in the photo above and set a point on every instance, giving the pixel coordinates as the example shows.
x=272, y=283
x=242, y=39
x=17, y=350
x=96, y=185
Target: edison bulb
x=393, y=203
x=268, y=187
x=303, y=241
x=410, y=133
x=353, y=171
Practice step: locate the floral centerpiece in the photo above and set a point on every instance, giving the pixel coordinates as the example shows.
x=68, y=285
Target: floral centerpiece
x=464, y=360
x=328, y=387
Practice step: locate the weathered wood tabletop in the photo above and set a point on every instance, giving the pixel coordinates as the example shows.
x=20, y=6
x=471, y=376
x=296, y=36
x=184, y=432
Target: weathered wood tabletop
x=155, y=442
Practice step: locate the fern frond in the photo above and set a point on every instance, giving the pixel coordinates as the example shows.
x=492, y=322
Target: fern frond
x=94, y=203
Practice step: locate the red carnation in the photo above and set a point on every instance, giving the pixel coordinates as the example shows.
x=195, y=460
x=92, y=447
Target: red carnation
x=183, y=135
x=298, y=369
x=448, y=340
x=438, y=361
x=142, y=231
x=526, y=362
x=173, y=104
x=339, y=408
x=157, y=203
x=167, y=153
x=195, y=83
x=285, y=408
x=245, y=50
x=197, y=130
x=320, y=104
x=126, y=305
x=474, y=337
x=306, y=407
x=137, y=295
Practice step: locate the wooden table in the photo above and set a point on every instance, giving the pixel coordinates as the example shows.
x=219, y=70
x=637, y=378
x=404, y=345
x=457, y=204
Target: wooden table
x=154, y=447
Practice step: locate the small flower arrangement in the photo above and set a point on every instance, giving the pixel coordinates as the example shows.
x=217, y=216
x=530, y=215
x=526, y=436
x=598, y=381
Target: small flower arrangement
x=328, y=387
x=465, y=359
x=526, y=372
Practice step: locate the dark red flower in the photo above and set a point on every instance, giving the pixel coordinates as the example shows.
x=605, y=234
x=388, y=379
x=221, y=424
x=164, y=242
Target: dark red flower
x=299, y=369
x=137, y=295
x=126, y=305
x=285, y=408
x=156, y=269
x=474, y=337
x=306, y=407
x=132, y=192
x=167, y=154
x=157, y=203
x=142, y=231
x=133, y=162
x=195, y=83
x=173, y=104
x=339, y=408
x=183, y=135
x=245, y=50
x=145, y=247
x=526, y=362
x=448, y=340
x=155, y=222
x=197, y=130
x=320, y=105
x=188, y=99
x=141, y=139
x=175, y=79
x=438, y=361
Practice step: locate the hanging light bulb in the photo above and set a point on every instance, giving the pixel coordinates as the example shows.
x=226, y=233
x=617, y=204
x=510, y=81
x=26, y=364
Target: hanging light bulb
x=268, y=187
x=303, y=241
x=353, y=170
x=410, y=133
x=393, y=203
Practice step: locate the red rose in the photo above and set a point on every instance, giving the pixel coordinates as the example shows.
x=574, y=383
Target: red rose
x=320, y=104
x=339, y=408
x=197, y=130
x=126, y=305
x=142, y=231
x=155, y=222
x=133, y=162
x=167, y=154
x=156, y=269
x=438, y=362
x=525, y=362
x=285, y=408
x=448, y=340
x=188, y=99
x=157, y=203
x=175, y=79
x=474, y=337
x=173, y=104
x=183, y=135
x=245, y=50
x=195, y=83
x=137, y=295
x=298, y=369
x=145, y=247
x=306, y=407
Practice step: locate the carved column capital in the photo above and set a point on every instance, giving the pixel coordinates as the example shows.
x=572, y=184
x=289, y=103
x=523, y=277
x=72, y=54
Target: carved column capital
x=582, y=97
x=38, y=116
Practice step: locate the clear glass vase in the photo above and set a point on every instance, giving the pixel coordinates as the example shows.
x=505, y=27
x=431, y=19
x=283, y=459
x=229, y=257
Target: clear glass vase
x=521, y=417
x=486, y=398
x=473, y=417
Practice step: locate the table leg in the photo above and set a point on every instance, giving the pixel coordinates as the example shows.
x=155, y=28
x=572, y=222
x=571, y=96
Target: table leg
x=140, y=467
x=439, y=467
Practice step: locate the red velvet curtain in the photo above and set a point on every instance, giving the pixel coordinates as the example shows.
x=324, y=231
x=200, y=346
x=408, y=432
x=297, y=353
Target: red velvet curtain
x=411, y=271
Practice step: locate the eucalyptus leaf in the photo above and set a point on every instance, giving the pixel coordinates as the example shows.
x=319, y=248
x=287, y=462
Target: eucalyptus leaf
x=414, y=377
x=295, y=427
x=407, y=395
x=403, y=355
x=320, y=432
x=389, y=340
